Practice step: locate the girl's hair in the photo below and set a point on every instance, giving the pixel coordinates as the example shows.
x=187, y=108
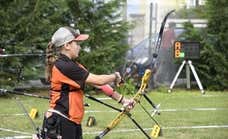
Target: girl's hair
x=51, y=57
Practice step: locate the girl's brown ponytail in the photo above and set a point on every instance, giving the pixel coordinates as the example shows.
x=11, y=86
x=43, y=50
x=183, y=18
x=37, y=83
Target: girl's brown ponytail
x=50, y=59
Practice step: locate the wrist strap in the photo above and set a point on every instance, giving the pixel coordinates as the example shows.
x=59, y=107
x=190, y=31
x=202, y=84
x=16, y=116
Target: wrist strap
x=107, y=89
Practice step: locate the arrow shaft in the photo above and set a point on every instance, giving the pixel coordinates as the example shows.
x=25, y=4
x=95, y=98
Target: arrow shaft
x=101, y=102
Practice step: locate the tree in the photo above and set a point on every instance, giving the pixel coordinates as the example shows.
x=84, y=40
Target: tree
x=28, y=25
x=26, y=28
x=213, y=64
x=107, y=30
x=216, y=50
x=218, y=24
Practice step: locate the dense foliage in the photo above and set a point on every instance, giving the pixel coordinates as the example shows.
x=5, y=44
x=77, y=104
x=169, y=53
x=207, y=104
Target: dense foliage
x=196, y=12
x=27, y=26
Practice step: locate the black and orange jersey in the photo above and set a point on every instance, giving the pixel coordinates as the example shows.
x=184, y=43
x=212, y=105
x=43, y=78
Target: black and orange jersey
x=67, y=85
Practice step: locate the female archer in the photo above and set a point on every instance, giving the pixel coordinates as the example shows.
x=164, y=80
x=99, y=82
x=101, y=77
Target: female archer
x=68, y=79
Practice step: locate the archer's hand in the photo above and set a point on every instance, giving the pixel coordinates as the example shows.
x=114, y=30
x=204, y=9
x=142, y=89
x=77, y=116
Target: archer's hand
x=118, y=79
x=128, y=103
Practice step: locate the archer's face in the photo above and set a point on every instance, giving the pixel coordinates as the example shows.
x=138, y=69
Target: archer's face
x=74, y=49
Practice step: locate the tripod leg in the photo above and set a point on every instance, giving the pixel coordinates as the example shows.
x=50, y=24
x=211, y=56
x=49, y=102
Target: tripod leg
x=176, y=76
x=196, y=77
x=188, y=76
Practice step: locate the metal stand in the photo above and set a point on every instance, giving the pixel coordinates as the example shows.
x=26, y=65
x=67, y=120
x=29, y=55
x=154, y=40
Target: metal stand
x=189, y=63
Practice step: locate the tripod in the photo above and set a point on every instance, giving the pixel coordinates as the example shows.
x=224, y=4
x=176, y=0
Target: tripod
x=188, y=64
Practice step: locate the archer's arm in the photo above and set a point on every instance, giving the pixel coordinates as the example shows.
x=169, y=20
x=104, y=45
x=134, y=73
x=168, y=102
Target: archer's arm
x=109, y=91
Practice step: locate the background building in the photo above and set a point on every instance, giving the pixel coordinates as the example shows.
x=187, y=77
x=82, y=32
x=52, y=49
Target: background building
x=138, y=12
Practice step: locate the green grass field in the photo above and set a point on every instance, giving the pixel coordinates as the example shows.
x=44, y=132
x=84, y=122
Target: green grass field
x=184, y=115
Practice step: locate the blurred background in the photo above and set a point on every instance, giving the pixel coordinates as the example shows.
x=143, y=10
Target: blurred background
x=122, y=33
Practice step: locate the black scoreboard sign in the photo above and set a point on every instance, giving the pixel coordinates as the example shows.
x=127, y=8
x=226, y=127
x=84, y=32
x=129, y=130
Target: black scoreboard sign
x=186, y=50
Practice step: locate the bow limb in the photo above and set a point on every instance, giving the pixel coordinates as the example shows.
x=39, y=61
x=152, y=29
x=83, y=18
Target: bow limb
x=160, y=35
x=155, y=55
x=126, y=111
